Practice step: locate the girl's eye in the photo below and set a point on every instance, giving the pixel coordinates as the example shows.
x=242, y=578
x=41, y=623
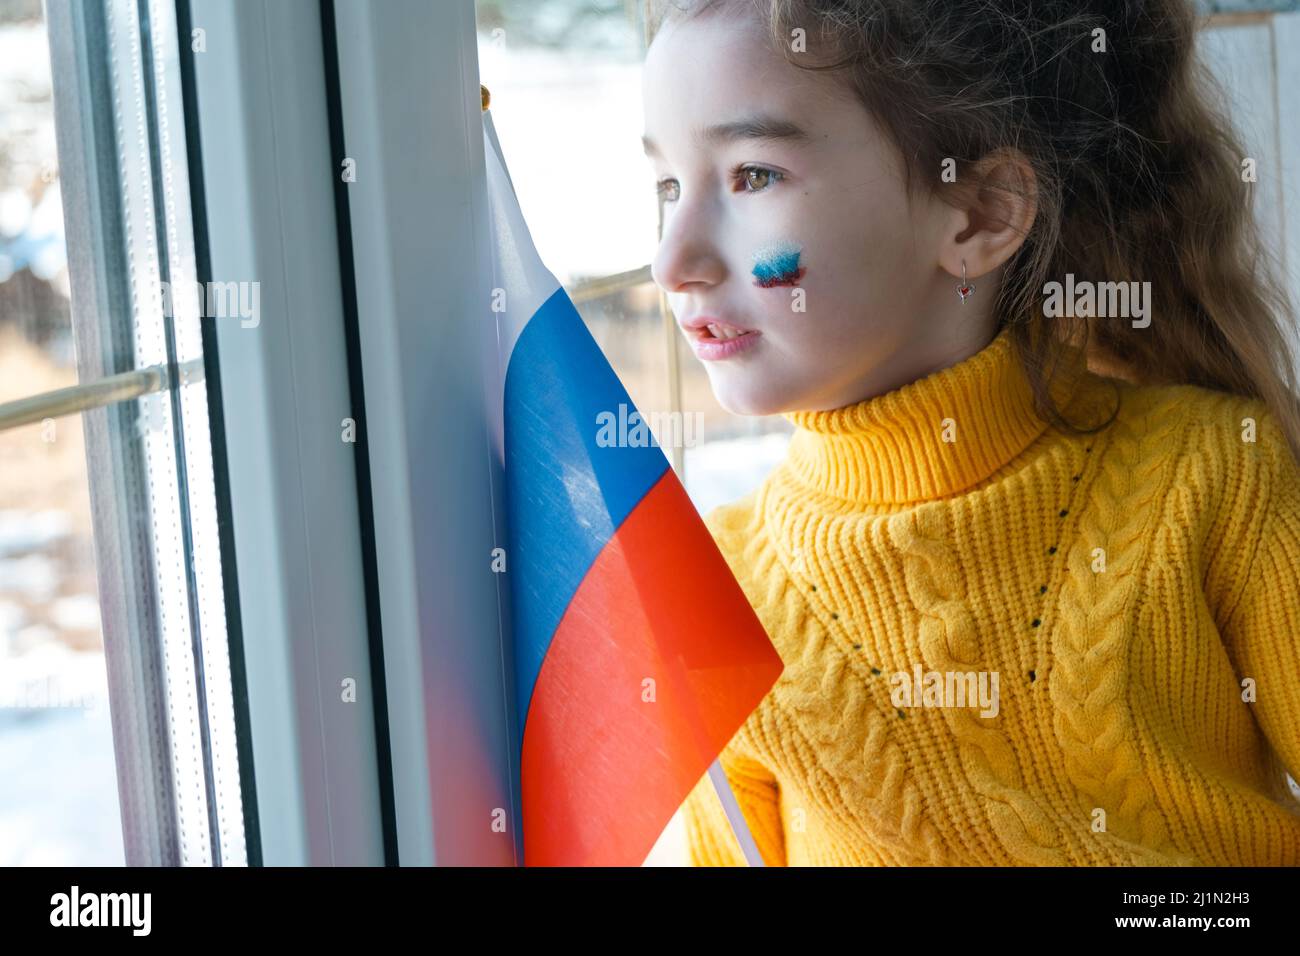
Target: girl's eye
x=755, y=179
x=752, y=179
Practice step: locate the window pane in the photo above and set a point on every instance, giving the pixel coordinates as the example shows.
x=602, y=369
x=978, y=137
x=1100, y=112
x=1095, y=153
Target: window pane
x=108, y=518
x=58, y=789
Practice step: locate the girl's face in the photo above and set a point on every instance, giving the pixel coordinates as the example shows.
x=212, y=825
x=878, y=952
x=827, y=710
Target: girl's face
x=786, y=220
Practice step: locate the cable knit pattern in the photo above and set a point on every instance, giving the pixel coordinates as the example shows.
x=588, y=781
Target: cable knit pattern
x=948, y=641
x=1093, y=719
x=1126, y=588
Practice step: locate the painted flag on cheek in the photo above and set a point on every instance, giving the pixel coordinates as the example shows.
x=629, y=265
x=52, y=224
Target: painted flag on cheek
x=637, y=656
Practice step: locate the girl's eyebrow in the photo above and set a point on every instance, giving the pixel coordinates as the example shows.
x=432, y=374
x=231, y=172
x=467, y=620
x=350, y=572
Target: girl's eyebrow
x=759, y=127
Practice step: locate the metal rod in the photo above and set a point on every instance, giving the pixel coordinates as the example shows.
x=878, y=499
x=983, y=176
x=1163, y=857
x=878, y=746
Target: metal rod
x=128, y=385
x=78, y=398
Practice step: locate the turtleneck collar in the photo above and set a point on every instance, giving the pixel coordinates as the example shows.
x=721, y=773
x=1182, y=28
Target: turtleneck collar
x=891, y=448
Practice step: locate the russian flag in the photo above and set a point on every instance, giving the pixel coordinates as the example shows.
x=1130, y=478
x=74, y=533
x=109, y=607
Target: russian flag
x=637, y=655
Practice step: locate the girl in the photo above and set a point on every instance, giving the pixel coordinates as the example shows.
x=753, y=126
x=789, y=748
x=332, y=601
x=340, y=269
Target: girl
x=1033, y=558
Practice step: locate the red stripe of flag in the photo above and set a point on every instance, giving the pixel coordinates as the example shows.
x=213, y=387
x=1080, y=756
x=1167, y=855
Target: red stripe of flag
x=603, y=768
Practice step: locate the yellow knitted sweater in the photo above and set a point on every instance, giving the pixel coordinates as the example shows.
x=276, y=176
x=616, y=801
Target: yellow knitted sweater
x=1135, y=591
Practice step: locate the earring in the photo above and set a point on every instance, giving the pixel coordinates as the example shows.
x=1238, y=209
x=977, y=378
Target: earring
x=964, y=290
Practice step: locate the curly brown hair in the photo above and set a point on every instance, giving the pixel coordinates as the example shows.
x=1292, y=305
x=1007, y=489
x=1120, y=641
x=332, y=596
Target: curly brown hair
x=1138, y=171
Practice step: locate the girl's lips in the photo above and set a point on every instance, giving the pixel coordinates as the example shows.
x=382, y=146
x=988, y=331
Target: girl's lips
x=711, y=349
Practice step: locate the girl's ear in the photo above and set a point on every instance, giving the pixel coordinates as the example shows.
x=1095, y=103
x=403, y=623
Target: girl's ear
x=997, y=204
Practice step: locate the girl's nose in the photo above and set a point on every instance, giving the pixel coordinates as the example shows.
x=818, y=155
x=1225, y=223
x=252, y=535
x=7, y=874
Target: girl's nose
x=686, y=255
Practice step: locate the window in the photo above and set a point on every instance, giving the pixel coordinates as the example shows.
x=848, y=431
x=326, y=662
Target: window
x=112, y=584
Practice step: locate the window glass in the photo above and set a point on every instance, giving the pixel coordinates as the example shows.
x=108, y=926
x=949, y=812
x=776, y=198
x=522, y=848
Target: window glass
x=58, y=790
x=111, y=582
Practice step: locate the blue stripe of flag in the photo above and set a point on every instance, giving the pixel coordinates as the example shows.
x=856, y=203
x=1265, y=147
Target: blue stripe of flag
x=566, y=495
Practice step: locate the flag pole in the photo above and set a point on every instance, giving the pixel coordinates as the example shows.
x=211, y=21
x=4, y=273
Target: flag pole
x=734, y=815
